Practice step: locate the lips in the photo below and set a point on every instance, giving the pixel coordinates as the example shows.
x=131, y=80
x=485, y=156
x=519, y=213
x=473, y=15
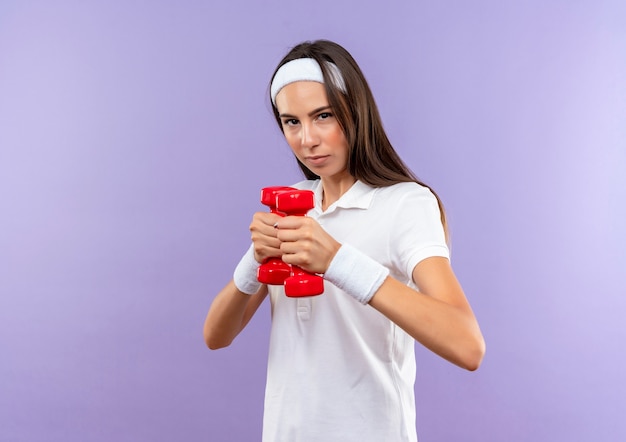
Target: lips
x=317, y=160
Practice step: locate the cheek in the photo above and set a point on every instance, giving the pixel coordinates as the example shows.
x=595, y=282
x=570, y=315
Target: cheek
x=293, y=142
x=339, y=140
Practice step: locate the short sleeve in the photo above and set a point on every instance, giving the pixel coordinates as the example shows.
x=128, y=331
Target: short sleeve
x=418, y=232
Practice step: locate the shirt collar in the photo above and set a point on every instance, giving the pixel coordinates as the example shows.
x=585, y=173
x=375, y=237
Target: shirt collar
x=359, y=196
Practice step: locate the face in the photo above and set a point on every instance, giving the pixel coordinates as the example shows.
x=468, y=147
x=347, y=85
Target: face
x=312, y=130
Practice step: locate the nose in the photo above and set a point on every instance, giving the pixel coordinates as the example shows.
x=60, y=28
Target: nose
x=309, y=135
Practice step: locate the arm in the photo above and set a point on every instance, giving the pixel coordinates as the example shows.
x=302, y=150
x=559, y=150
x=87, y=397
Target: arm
x=230, y=312
x=439, y=316
x=232, y=309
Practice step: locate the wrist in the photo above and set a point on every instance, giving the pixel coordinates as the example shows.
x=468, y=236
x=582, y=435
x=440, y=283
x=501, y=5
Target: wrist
x=245, y=275
x=356, y=273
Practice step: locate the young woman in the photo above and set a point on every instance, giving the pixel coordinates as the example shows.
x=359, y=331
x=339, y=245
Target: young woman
x=342, y=365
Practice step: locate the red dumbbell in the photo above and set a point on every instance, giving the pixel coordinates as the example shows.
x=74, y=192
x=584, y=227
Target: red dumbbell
x=300, y=283
x=273, y=270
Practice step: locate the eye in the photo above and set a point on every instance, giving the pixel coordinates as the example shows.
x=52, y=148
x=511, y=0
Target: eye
x=324, y=116
x=290, y=122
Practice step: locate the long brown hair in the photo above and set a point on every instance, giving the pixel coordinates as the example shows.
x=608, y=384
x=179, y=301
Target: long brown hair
x=371, y=159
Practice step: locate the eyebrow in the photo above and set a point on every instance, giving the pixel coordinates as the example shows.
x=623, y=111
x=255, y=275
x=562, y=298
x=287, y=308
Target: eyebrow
x=310, y=114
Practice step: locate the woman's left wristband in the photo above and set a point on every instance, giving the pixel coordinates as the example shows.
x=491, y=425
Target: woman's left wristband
x=356, y=273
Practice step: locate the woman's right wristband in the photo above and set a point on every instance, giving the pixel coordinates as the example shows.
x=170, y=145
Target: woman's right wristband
x=245, y=275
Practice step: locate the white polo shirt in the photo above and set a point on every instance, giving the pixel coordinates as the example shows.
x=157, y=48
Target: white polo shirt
x=338, y=370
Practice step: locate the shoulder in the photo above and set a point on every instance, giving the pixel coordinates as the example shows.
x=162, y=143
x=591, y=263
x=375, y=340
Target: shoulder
x=404, y=191
x=407, y=201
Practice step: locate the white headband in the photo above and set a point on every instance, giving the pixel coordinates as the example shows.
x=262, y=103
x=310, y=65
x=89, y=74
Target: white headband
x=304, y=69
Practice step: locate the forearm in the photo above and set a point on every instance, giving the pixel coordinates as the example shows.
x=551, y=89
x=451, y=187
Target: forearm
x=228, y=315
x=438, y=316
x=450, y=331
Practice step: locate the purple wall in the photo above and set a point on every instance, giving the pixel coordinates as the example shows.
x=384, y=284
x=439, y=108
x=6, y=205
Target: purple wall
x=134, y=138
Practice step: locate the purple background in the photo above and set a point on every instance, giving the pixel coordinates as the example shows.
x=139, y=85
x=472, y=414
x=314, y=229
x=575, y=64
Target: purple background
x=134, y=139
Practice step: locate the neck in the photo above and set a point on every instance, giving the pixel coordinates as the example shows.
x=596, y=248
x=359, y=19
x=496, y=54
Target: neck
x=334, y=188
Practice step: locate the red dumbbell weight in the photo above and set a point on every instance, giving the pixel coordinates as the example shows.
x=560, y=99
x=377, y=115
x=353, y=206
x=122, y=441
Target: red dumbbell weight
x=300, y=283
x=273, y=270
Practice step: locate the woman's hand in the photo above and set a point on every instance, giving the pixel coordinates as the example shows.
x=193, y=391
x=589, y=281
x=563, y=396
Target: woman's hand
x=263, y=234
x=303, y=242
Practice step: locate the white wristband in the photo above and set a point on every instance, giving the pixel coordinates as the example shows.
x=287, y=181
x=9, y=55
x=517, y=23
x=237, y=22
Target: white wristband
x=245, y=276
x=356, y=273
